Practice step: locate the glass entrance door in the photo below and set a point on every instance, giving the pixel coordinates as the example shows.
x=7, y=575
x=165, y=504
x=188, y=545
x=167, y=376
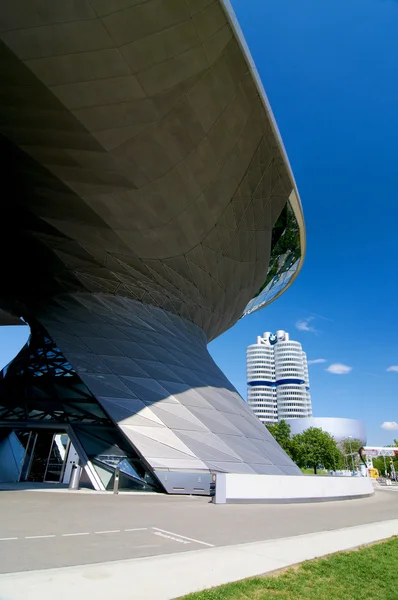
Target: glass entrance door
x=45, y=455
x=57, y=458
x=40, y=456
x=27, y=439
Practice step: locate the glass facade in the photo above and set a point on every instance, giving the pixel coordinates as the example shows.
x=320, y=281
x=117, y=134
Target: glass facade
x=41, y=389
x=285, y=260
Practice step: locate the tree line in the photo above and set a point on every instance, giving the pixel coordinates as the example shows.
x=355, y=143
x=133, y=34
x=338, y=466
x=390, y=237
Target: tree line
x=315, y=448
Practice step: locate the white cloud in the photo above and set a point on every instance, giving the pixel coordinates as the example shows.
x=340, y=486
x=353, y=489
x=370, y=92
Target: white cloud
x=338, y=369
x=389, y=425
x=304, y=325
x=393, y=368
x=317, y=361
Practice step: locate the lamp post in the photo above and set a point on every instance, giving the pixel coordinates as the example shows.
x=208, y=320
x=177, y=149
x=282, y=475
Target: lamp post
x=352, y=457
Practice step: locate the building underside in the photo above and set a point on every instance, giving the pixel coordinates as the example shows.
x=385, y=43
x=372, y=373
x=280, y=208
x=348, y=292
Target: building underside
x=149, y=206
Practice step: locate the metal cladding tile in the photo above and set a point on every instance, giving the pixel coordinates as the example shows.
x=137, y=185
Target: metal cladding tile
x=187, y=376
x=120, y=413
x=178, y=464
x=267, y=469
x=133, y=420
x=64, y=332
x=148, y=383
x=138, y=413
x=276, y=456
x=215, y=421
x=157, y=370
x=106, y=385
x=188, y=364
x=140, y=20
x=185, y=395
x=197, y=257
x=244, y=448
x=113, y=333
x=101, y=346
x=134, y=333
x=131, y=350
x=218, y=401
x=290, y=470
x=165, y=400
x=122, y=365
x=81, y=330
x=177, y=417
x=88, y=363
x=230, y=467
x=245, y=425
x=215, y=45
x=133, y=404
x=208, y=443
x=204, y=452
x=149, y=416
x=27, y=17
x=147, y=395
x=159, y=442
x=166, y=356
x=69, y=305
x=153, y=347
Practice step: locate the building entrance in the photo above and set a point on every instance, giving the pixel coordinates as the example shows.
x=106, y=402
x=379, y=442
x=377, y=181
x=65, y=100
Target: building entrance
x=42, y=455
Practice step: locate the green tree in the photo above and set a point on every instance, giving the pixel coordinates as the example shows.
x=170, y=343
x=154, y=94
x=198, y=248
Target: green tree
x=315, y=447
x=349, y=443
x=345, y=446
x=281, y=432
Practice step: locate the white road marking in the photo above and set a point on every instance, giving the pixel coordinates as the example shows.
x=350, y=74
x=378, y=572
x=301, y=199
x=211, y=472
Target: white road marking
x=110, y=531
x=38, y=537
x=184, y=537
x=170, y=537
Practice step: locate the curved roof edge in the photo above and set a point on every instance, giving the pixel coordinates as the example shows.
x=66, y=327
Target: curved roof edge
x=294, y=196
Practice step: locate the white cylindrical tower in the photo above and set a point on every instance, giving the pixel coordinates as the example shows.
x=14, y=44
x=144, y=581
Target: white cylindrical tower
x=277, y=378
x=291, y=374
x=261, y=392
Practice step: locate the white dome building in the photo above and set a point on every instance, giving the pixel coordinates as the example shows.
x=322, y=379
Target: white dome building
x=339, y=428
x=277, y=378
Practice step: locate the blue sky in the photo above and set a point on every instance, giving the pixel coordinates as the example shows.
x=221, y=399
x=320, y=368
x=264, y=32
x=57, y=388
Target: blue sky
x=330, y=71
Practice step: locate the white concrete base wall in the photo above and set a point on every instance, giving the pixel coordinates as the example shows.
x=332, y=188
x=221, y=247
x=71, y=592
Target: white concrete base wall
x=231, y=487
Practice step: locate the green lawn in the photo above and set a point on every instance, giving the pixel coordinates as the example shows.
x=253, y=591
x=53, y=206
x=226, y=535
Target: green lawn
x=368, y=574
x=311, y=472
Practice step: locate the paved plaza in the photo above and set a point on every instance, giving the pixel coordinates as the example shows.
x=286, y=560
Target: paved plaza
x=43, y=530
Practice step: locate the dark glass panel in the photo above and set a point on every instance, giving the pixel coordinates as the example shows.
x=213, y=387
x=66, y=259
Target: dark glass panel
x=284, y=261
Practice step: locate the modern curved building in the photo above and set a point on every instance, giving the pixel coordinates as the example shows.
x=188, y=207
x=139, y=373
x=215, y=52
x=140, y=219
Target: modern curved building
x=277, y=378
x=339, y=428
x=149, y=206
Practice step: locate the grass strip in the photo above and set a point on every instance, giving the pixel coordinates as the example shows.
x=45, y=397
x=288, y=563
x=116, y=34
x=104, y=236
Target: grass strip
x=369, y=573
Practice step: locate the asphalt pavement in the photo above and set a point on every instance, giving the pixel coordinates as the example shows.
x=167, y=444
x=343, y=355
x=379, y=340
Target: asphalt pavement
x=43, y=530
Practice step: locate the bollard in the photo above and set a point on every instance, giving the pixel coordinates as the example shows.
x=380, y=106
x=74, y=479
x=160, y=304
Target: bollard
x=75, y=477
x=220, y=482
x=212, y=491
x=116, y=481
